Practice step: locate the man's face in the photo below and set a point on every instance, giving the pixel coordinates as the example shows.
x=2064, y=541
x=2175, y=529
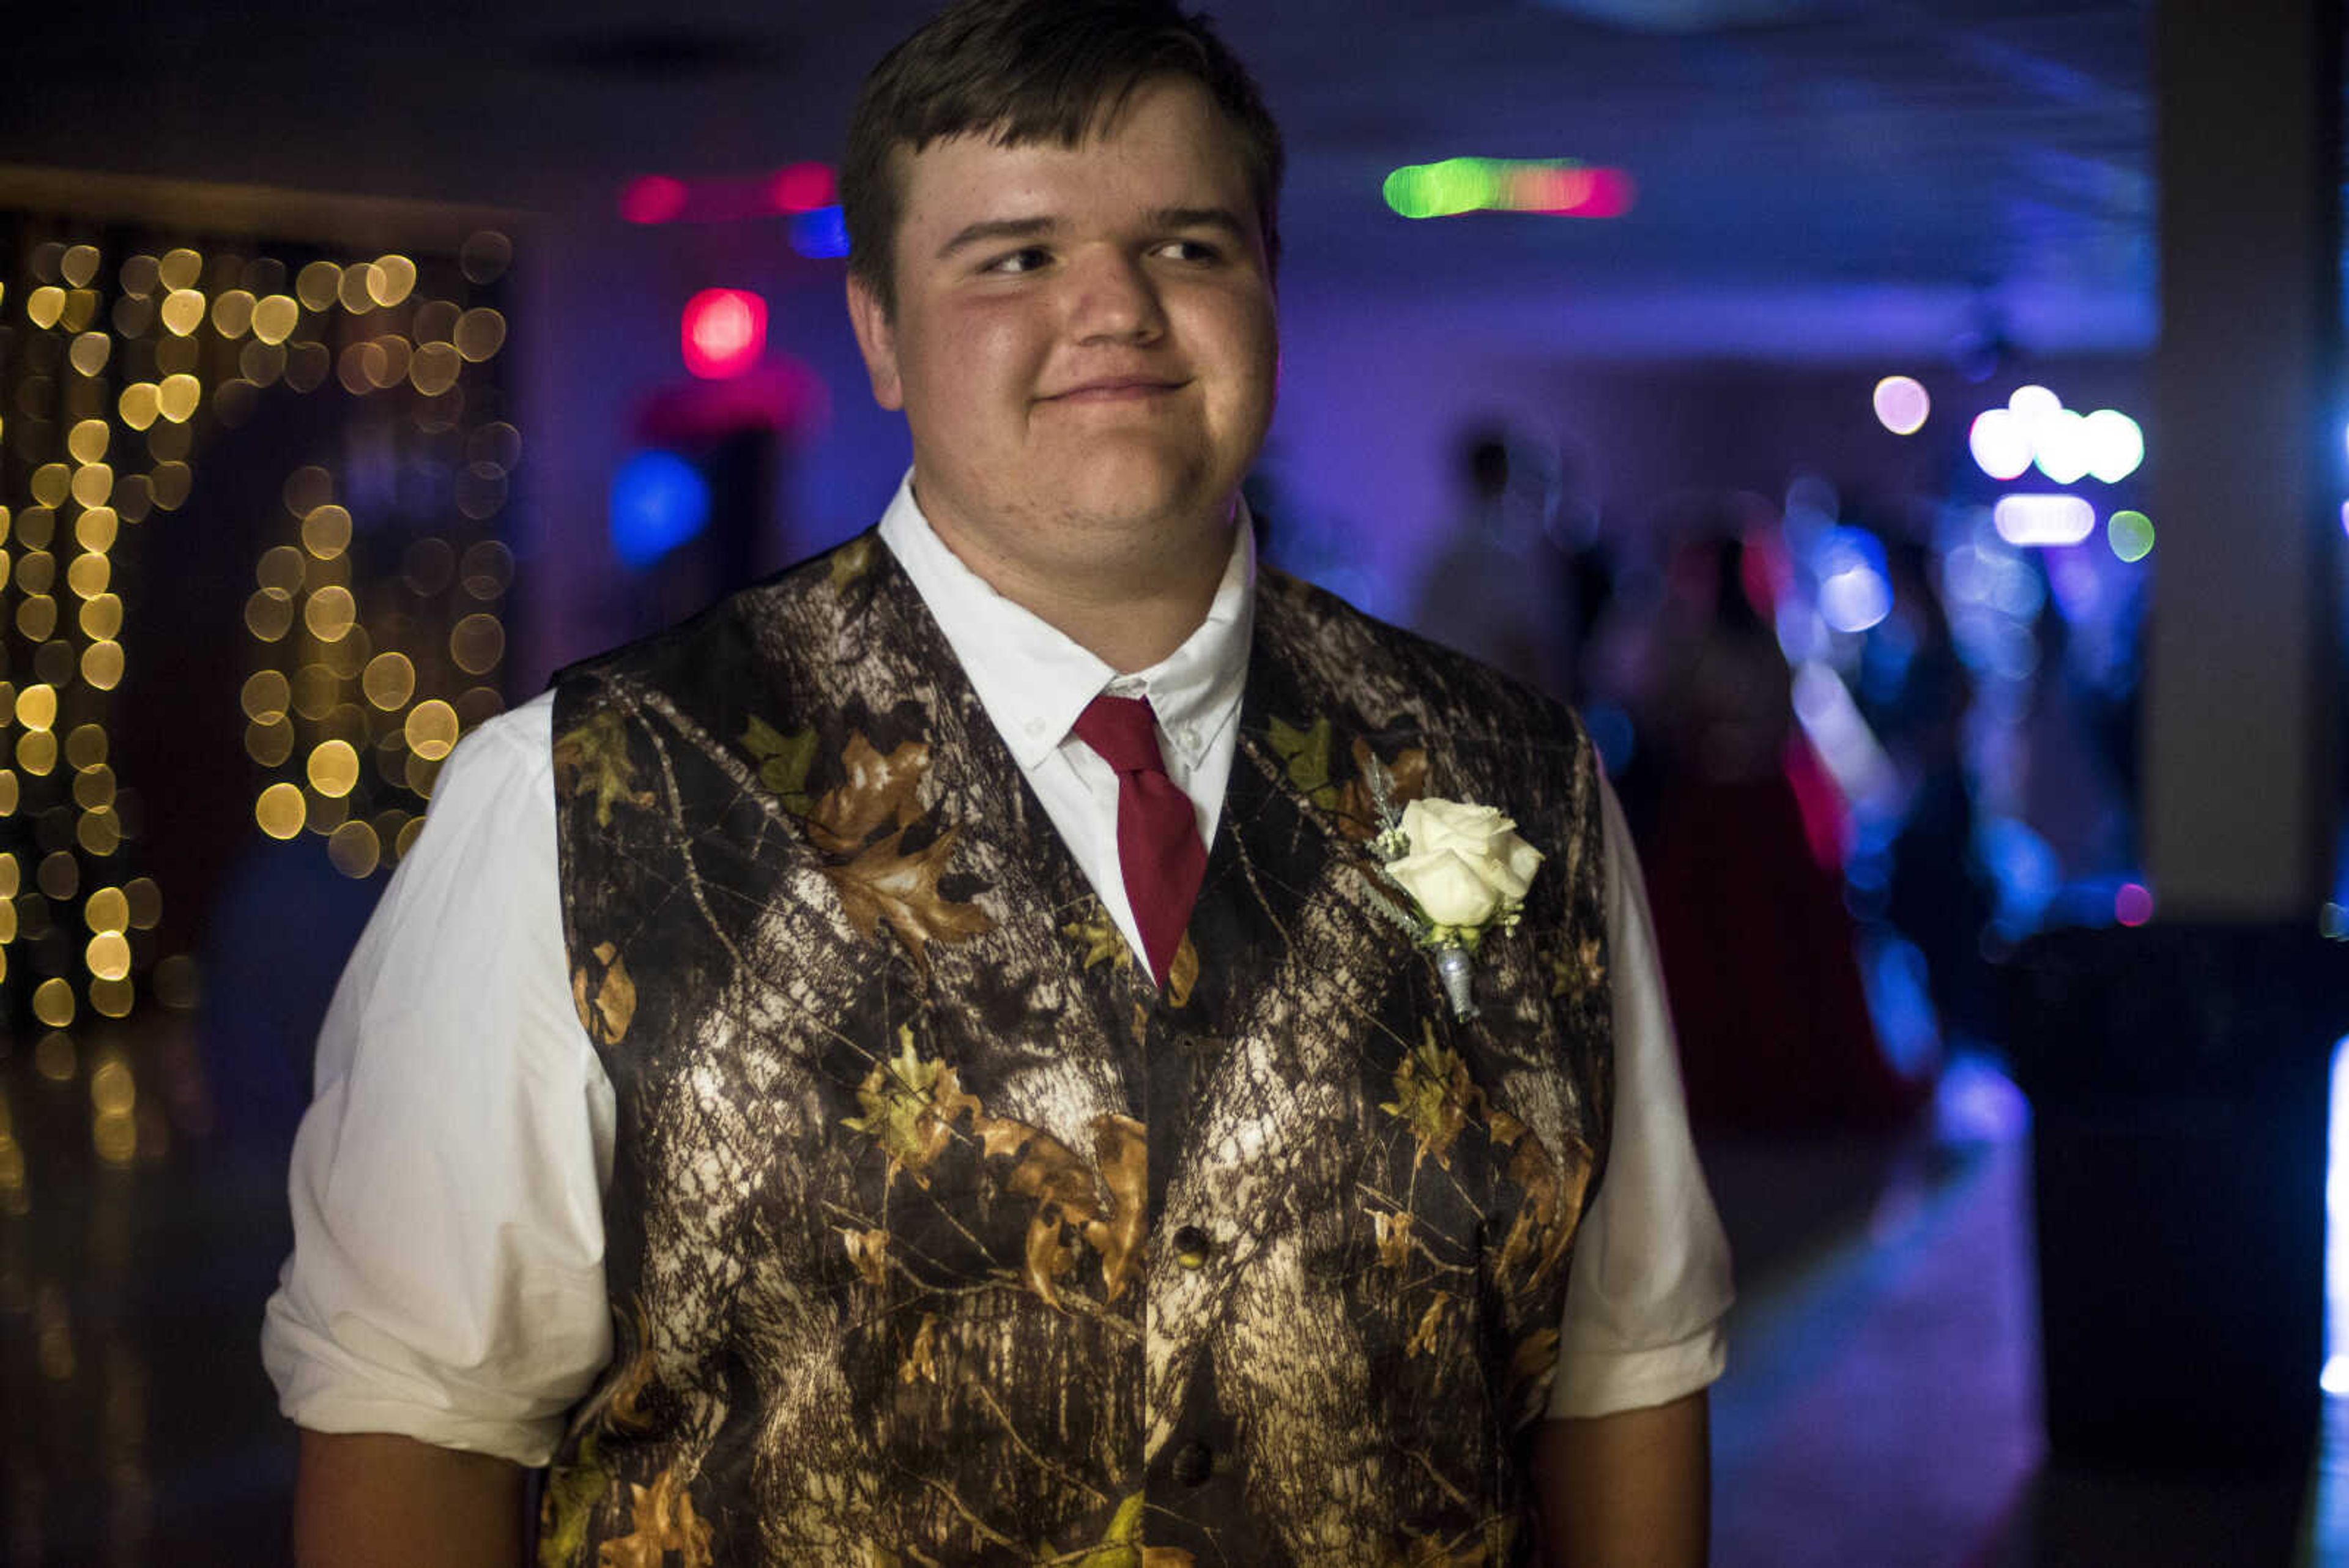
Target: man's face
x=1084, y=343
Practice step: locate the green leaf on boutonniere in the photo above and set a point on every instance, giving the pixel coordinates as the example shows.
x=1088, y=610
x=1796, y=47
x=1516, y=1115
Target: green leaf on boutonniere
x=1360, y=819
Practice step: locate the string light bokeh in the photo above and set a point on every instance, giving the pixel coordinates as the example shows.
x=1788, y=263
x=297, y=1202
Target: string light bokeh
x=371, y=636
x=347, y=632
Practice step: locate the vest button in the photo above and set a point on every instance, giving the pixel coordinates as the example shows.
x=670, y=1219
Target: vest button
x=1193, y=1462
x=1192, y=1246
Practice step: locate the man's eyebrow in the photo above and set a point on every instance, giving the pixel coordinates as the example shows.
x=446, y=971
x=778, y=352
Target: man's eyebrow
x=997, y=229
x=1221, y=218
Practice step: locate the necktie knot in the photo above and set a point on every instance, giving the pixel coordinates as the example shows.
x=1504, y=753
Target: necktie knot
x=1124, y=733
x=1160, y=858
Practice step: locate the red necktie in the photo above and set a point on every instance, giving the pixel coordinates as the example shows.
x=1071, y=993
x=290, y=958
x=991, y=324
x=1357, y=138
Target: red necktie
x=1158, y=846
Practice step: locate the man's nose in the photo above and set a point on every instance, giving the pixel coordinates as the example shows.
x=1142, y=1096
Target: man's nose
x=1111, y=297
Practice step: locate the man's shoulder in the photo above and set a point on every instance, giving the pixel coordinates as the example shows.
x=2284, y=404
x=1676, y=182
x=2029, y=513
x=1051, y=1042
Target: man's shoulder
x=808, y=597
x=1358, y=653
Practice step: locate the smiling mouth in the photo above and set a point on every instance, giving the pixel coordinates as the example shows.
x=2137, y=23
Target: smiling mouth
x=1116, y=389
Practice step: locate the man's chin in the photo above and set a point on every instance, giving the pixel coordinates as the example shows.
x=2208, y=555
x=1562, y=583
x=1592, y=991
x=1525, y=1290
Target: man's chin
x=1160, y=536
x=1143, y=497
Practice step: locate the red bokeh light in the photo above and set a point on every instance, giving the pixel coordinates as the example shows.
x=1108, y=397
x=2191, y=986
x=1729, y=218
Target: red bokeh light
x=2133, y=905
x=802, y=188
x=653, y=199
x=1580, y=193
x=724, y=331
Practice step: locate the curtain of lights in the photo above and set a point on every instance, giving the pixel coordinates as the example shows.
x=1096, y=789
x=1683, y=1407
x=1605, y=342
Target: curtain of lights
x=355, y=634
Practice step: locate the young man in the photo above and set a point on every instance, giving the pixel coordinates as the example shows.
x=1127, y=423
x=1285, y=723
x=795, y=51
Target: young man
x=913, y=1066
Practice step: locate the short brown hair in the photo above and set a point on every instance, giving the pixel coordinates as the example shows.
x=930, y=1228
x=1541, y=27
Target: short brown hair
x=1033, y=71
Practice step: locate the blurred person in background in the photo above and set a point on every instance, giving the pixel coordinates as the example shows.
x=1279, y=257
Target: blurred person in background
x=815, y=1087
x=1758, y=947
x=1498, y=591
x=1915, y=692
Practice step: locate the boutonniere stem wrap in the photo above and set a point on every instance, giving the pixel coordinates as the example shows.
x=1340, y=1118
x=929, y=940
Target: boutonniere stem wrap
x=1463, y=871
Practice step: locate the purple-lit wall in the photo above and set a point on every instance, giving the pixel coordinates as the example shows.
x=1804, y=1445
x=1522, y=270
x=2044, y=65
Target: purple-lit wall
x=1373, y=405
x=597, y=320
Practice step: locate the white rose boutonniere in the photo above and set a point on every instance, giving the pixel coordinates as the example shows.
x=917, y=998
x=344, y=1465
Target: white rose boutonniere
x=1464, y=862
x=1465, y=871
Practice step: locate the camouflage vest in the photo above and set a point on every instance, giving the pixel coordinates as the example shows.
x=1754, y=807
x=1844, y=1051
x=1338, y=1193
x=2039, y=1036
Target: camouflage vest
x=938, y=1234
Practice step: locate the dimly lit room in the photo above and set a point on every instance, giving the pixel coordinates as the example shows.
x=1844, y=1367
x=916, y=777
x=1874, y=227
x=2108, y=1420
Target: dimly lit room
x=1895, y=1019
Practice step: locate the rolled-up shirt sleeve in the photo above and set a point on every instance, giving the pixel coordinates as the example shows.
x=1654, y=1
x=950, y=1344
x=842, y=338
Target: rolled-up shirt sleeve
x=1648, y=1288
x=447, y=1279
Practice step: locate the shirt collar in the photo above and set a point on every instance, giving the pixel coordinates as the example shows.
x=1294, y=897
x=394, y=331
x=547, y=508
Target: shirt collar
x=1034, y=679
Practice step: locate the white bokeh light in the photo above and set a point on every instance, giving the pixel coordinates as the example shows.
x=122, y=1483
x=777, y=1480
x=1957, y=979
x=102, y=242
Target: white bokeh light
x=1854, y=598
x=2000, y=443
x=2032, y=403
x=2115, y=445
x=2060, y=444
x=1902, y=404
x=2042, y=519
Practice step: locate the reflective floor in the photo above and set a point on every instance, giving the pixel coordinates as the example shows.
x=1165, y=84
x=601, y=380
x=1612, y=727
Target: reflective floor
x=138, y=1426
x=1881, y=1407
x=1882, y=1404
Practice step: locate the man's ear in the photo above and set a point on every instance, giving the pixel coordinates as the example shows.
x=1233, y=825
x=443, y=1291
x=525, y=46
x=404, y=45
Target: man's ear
x=876, y=340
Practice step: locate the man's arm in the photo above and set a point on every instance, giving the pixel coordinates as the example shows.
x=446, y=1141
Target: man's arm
x=447, y=1180
x=1633, y=1490
x=368, y=1500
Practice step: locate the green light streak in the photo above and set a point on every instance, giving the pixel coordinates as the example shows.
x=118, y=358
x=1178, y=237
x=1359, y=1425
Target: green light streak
x=1459, y=185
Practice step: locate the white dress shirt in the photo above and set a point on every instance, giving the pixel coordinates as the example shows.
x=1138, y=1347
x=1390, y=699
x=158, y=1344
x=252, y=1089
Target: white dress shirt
x=446, y=1281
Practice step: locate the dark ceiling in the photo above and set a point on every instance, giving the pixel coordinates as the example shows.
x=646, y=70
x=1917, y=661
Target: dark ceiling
x=1815, y=176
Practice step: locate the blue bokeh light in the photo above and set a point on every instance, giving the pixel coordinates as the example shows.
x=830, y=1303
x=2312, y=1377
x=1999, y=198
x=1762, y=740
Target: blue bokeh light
x=2025, y=868
x=1855, y=587
x=658, y=502
x=820, y=233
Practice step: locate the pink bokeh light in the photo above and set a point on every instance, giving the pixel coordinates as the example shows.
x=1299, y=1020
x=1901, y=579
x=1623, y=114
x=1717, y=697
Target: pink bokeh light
x=654, y=199
x=722, y=332
x=802, y=188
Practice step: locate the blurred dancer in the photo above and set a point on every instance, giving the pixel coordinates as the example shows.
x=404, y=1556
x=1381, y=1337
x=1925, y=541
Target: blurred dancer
x=1758, y=949
x=1936, y=894
x=1498, y=590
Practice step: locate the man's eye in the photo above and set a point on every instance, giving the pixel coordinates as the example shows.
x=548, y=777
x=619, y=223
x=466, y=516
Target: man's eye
x=1026, y=259
x=1190, y=251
